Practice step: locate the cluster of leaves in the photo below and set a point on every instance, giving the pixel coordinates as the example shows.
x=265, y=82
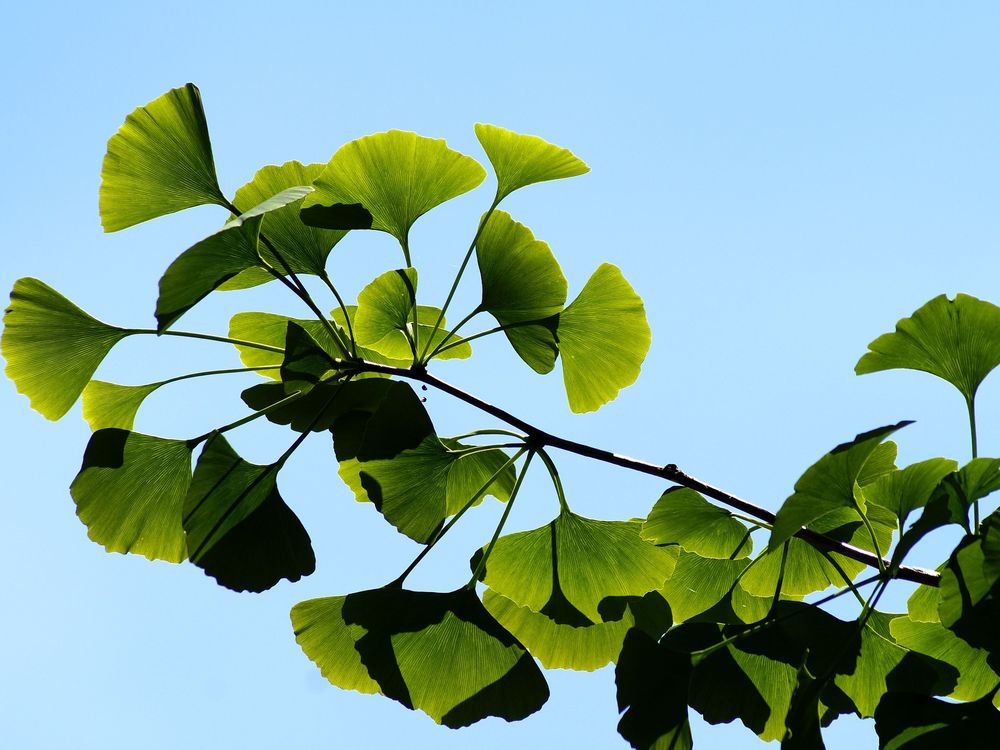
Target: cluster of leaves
x=678, y=600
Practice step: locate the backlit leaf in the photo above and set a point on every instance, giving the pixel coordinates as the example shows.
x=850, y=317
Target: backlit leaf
x=130, y=493
x=305, y=249
x=160, y=161
x=682, y=516
x=402, y=643
x=113, y=405
x=523, y=287
x=271, y=330
x=566, y=568
x=386, y=181
x=52, y=347
x=603, y=339
x=521, y=160
x=957, y=340
x=905, y=490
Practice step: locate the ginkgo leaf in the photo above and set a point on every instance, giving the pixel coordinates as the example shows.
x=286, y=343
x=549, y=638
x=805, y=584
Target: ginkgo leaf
x=682, y=516
x=395, y=349
x=52, y=347
x=271, y=330
x=603, y=339
x=957, y=340
x=910, y=721
x=521, y=160
x=114, y=405
x=699, y=583
x=831, y=483
x=975, y=678
x=386, y=181
x=401, y=643
x=130, y=493
x=160, y=161
x=565, y=569
x=239, y=530
x=305, y=363
x=523, y=288
x=303, y=248
x=470, y=471
x=321, y=406
x=904, y=490
x=203, y=267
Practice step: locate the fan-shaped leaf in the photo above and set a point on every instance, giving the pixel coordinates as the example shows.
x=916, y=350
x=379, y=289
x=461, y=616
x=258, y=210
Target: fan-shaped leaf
x=387, y=181
x=271, y=330
x=130, y=493
x=470, y=471
x=113, y=405
x=699, y=584
x=203, y=267
x=565, y=569
x=523, y=288
x=682, y=516
x=904, y=490
x=52, y=347
x=160, y=161
x=318, y=409
x=305, y=249
x=910, y=721
x=521, y=160
x=833, y=481
x=957, y=340
x=440, y=653
x=305, y=362
x=239, y=530
x=603, y=339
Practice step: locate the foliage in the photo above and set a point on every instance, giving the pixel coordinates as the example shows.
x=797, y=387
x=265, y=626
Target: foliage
x=692, y=617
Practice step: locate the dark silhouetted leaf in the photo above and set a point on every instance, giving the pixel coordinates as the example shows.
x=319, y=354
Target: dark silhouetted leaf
x=910, y=721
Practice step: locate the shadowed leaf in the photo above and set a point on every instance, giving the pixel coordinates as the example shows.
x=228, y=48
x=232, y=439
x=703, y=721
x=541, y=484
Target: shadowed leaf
x=909, y=721
x=160, y=161
x=130, y=493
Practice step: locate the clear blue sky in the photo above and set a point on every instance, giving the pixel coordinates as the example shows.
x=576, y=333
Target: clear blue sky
x=780, y=182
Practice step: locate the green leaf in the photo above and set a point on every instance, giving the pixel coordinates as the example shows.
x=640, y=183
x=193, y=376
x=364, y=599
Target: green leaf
x=323, y=405
x=699, y=583
x=807, y=569
x=113, y=405
x=387, y=181
x=559, y=646
x=306, y=363
x=52, y=347
x=652, y=690
x=909, y=721
x=305, y=249
x=969, y=603
x=521, y=160
x=802, y=731
x=239, y=530
x=205, y=266
x=975, y=678
x=385, y=308
x=390, y=455
x=957, y=340
x=394, y=348
x=832, y=483
x=159, y=161
x=682, y=516
x=523, y=288
x=904, y=490
x=603, y=339
x=470, y=471
x=130, y=493
x=400, y=643
x=565, y=569
x=271, y=329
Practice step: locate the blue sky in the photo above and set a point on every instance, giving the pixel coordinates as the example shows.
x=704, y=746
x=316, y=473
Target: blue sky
x=780, y=182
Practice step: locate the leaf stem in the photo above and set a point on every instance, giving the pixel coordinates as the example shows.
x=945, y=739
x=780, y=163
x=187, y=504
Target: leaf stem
x=444, y=530
x=203, y=373
x=503, y=520
x=556, y=481
x=245, y=420
x=971, y=404
x=458, y=276
x=343, y=308
x=210, y=337
x=475, y=433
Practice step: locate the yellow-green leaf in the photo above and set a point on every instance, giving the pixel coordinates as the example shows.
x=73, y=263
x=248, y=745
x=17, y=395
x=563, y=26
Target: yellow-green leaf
x=521, y=160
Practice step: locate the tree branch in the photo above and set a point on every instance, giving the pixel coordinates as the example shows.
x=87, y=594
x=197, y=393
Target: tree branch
x=669, y=472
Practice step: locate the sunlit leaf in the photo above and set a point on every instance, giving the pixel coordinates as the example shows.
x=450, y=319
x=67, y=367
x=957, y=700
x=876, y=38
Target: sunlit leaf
x=130, y=493
x=910, y=721
x=975, y=678
x=386, y=181
x=160, y=161
x=969, y=603
x=957, y=340
x=521, y=160
x=603, y=339
x=239, y=530
x=401, y=643
x=682, y=516
x=205, y=266
x=270, y=329
x=470, y=471
x=52, y=347
x=652, y=689
x=566, y=568
x=831, y=483
x=698, y=583
x=113, y=405
x=394, y=349
x=523, y=287
x=904, y=490
x=305, y=249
